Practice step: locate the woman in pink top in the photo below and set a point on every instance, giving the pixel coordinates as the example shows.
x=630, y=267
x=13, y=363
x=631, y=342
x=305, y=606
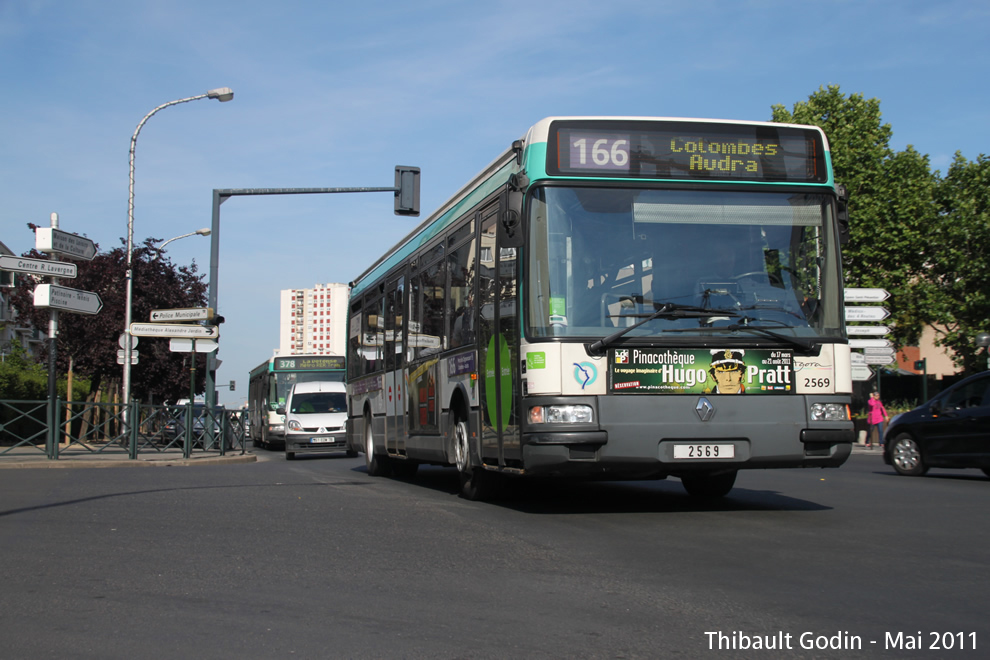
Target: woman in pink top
x=876, y=415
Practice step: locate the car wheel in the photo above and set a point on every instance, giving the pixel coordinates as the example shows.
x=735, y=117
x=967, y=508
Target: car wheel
x=905, y=456
x=707, y=485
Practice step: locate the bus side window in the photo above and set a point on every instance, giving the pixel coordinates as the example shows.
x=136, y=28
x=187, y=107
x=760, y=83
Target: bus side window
x=461, y=266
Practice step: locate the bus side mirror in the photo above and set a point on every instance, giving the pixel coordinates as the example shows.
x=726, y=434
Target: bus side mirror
x=842, y=213
x=510, y=225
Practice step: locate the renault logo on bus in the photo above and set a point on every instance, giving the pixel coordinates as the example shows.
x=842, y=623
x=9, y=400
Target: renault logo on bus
x=705, y=409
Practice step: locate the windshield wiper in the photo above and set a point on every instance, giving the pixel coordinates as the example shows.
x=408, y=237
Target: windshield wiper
x=666, y=310
x=806, y=345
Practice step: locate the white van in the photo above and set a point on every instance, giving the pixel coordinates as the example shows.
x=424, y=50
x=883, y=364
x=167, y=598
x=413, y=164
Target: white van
x=315, y=417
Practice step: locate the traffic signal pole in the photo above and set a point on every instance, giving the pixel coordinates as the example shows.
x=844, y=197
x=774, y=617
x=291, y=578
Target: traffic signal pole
x=406, y=191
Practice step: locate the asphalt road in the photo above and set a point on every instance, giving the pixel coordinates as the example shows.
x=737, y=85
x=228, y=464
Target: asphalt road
x=315, y=559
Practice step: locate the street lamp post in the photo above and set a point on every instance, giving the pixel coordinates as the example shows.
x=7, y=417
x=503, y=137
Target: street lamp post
x=222, y=94
x=205, y=231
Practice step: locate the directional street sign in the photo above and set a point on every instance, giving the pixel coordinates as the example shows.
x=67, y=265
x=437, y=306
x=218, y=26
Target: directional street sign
x=879, y=359
x=175, y=330
x=857, y=358
x=861, y=372
x=66, y=299
x=37, y=266
x=872, y=330
x=869, y=343
x=186, y=345
x=866, y=295
x=49, y=239
x=878, y=350
x=196, y=314
x=854, y=313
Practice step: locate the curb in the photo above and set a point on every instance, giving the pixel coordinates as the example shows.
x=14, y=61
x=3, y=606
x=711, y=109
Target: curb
x=101, y=462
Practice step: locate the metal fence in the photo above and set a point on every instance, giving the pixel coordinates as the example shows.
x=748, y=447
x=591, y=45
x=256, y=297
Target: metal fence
x=63, y=429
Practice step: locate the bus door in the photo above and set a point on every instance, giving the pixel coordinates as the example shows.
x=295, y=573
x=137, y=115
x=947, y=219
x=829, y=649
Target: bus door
x=498, y=344
x=395, y=420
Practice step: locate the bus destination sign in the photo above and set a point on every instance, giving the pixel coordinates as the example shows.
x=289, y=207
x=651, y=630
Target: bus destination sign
x=309, y=362
x=686, y=150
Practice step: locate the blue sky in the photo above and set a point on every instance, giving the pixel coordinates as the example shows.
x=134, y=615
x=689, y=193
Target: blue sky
x=334, y=94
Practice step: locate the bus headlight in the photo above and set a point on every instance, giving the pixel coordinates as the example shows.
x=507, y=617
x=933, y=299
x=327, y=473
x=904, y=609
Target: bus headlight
x=829, y=412
x=561, y=414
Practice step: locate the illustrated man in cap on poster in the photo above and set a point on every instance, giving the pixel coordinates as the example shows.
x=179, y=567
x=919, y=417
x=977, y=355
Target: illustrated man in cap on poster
x=727, y=371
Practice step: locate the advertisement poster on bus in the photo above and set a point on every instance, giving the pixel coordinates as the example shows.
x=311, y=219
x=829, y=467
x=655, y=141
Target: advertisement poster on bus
x=701, y=371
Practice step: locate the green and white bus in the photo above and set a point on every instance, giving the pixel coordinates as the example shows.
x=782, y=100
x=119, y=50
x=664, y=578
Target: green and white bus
x=269, y=384
x=613, y=298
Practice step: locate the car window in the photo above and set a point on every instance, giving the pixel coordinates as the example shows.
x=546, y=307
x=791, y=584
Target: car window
x=970, y=395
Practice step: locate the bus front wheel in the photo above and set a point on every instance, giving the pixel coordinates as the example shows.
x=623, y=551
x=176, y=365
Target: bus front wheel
x=708, y=485
x=377, y=465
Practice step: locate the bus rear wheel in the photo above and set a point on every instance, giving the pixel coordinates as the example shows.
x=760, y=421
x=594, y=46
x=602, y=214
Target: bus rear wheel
x=708, y=485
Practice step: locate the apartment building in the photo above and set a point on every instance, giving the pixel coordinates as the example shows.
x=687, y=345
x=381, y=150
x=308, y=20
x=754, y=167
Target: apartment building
x=314, y=321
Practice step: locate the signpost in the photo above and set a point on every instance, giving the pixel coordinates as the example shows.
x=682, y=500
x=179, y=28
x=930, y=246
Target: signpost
x=870, y=343
x=192, y=345
x=174, y=330
x=873, y=330
x=38, y=266
x=194, y=314
x=855, y=313
x=66, y=299
x=50, y=239
x=122, y=355
x=866, y=295
x=861, y=372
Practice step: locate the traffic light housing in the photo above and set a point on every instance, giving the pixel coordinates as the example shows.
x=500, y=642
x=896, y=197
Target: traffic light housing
x=406, y=190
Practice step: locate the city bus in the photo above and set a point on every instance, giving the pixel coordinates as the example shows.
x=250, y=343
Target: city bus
x=613, y=299
x=269, y=384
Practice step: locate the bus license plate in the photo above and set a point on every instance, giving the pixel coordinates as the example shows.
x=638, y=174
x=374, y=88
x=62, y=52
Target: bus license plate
x=704, y=451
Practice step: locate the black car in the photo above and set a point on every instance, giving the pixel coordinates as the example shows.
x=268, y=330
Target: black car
x=950, y=431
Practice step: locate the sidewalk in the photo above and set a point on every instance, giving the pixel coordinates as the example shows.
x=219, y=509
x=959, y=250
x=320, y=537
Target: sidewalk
x=27, y=457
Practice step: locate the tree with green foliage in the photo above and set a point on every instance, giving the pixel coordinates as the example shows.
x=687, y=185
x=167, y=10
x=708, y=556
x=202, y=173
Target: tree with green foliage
x=891, y=203
x=91, y=341
x=958, y=258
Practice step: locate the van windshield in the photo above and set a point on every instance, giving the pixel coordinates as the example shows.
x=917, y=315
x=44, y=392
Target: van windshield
x=318, y=402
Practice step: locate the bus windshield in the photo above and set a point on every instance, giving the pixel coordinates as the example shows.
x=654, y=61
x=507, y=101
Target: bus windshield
x=602, y=259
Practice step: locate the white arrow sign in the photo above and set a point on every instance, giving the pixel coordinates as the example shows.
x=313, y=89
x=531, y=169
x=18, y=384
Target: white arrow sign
x=37, y=266
x=861, y=372
x=175, y=330
x=878, y=350
x=196, y=314
x=857, y=358
x=873, y=330
x=69, y=300
x=879, y=359
x=866, y=313
x=186, y=345
x=869, y=343
x=49, y=239
x=866, y=295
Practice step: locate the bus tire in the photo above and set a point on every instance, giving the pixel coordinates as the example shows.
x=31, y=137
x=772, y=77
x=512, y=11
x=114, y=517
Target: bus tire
x=480, y=485
x=377, y=465
x=708, y=485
